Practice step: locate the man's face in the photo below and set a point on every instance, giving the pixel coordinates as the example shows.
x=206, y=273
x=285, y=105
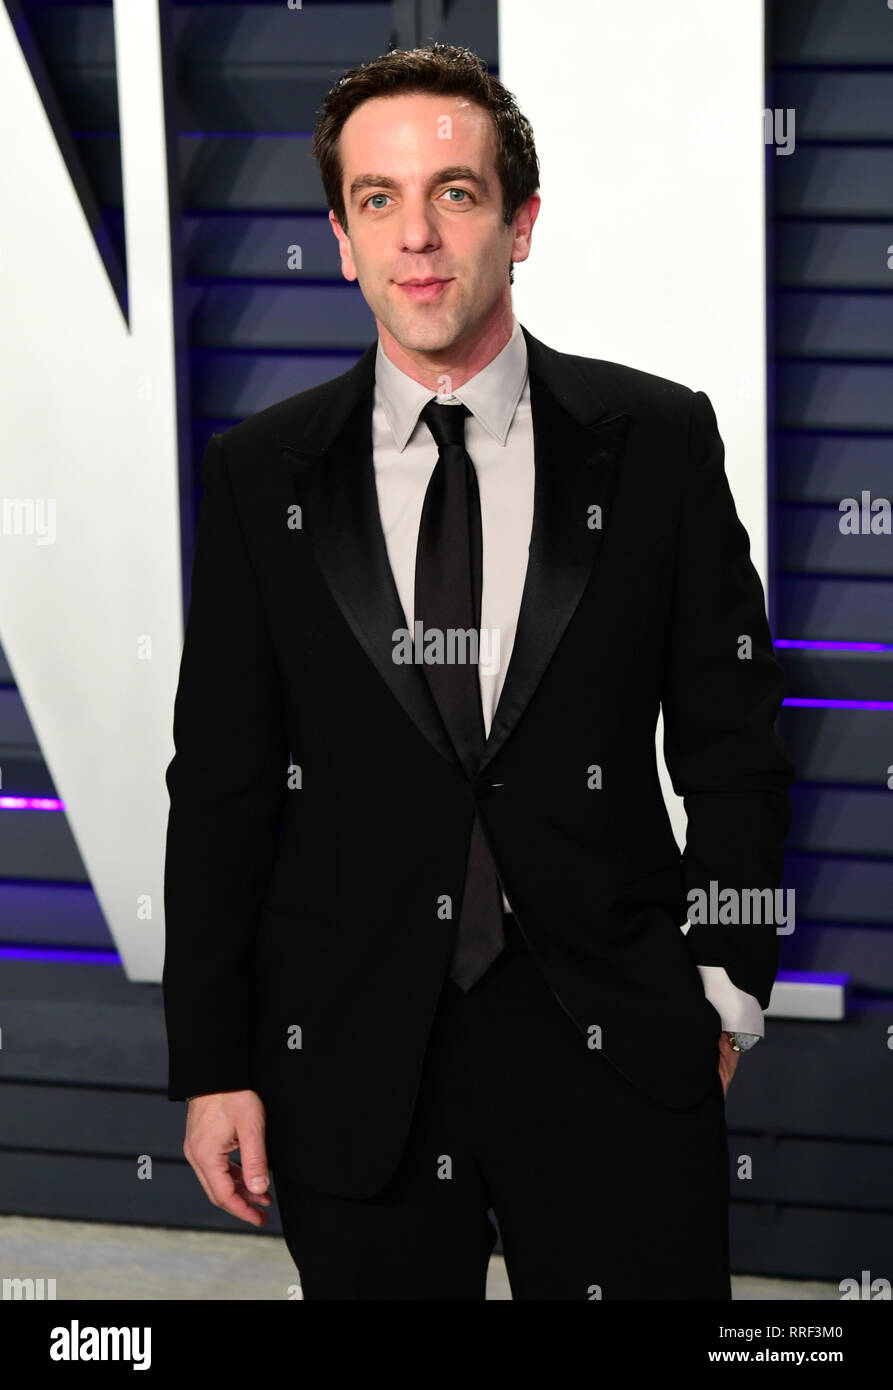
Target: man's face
x=424, y=202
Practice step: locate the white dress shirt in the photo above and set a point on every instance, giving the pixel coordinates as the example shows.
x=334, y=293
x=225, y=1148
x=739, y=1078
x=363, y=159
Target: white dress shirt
x=499, y=439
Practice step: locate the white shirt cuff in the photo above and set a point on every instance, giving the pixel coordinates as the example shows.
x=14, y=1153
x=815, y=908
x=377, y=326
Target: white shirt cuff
x=739, y=1012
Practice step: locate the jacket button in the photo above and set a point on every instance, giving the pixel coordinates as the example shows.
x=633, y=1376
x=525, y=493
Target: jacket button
x=484, y=787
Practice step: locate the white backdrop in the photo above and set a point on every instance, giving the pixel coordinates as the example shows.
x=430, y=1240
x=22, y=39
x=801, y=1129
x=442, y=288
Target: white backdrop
x=649, y=248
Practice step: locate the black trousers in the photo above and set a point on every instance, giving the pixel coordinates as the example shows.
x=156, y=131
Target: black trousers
x=599, y=1192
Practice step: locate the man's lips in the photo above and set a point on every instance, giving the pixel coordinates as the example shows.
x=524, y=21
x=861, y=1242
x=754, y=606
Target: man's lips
x=423, y=291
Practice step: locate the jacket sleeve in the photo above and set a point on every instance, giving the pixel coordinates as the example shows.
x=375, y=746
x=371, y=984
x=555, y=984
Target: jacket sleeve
x=722, y=690
x=227, y=782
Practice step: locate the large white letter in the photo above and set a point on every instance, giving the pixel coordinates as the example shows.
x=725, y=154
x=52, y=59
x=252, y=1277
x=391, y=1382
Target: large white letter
x=90, y=616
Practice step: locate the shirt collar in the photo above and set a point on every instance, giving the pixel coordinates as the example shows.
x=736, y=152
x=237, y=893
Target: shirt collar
x=491, y=395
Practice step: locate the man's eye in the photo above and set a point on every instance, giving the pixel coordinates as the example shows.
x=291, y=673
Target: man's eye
x=464, y=191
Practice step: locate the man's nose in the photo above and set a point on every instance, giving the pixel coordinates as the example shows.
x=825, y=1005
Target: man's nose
x=418, y=226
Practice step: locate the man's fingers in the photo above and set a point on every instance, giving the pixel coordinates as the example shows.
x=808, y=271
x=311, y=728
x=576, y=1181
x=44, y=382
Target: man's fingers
x=224, y=1193
x=253, y=1155
x=237, y=1203
x=261, y=1198
x=728, y=1061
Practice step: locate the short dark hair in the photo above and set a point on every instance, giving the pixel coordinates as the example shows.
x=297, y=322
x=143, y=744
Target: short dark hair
x=437, y=68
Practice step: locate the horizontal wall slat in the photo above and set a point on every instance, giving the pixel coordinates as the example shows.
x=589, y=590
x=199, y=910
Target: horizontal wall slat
x=839, y=890
x=83, y=1042
x=78, y=1120
x=825, y=31
x=809, y=1243
x=241, y=172
x=834, y=396
x=834, y=745
x=821, y=1173
x=809, y=324
x=825, y=468
x=838, y=675
x=328, y=31
x=837, y=105
x=274, y=96
x=242, y=245
x=839, y=820
x=297, y=315
x=835, y=181
x=24, y=771
x=865, y=954
x=849, y=255
x=52, y=914
x=38, y=845
x=810, y=539
x=238, y=384
x=834, y=610
x=90, y=92
x=249, y=173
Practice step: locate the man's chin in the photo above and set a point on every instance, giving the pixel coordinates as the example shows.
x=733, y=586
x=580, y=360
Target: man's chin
x=421, y=332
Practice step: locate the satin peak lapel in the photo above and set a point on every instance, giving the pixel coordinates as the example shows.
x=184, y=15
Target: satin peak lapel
x=577, y=448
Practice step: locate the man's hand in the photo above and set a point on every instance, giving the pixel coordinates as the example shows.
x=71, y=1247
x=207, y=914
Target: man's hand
x=216, y=1124
x=728, y=1061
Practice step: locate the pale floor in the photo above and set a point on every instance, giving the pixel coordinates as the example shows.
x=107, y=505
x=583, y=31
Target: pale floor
x=89, y=1260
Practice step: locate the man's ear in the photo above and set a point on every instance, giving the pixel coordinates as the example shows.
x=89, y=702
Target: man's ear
x=348, y=270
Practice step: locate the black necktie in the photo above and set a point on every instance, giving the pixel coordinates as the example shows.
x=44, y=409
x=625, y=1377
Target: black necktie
x=448, y=582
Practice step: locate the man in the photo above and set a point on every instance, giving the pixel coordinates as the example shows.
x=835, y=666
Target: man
x=423, y=900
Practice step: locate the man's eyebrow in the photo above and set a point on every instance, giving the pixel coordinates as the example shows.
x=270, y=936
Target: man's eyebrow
x=449, y=174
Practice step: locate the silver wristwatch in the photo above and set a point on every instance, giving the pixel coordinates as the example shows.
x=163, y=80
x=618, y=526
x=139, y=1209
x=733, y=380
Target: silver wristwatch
x=742, y=1042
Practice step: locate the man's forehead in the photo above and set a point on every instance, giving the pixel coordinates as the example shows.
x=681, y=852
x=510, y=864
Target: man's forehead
x=421, y=110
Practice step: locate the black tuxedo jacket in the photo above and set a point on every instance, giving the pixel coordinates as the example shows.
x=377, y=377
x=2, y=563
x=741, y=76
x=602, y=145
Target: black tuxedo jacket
x=319, y=817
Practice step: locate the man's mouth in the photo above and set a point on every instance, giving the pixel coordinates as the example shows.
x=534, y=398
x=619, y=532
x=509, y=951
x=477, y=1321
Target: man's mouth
x=423, y=291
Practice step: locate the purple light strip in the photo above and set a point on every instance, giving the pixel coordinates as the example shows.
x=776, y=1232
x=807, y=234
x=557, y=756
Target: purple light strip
x=839, y=704
x=31, y=803
x=809, y=977
x=52, y=953
x=807, y=645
